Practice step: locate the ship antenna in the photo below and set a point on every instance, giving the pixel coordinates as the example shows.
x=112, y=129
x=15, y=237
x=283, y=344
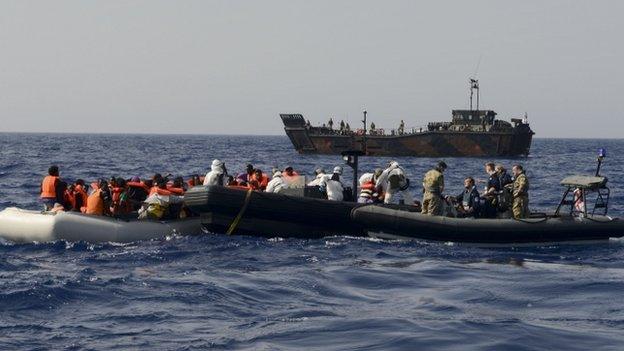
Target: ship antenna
x=364, y=135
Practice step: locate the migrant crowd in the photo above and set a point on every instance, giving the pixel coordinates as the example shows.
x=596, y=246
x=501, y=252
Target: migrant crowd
x=161, y=197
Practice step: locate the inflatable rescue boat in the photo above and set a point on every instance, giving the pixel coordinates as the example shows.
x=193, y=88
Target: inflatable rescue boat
x=27, y=226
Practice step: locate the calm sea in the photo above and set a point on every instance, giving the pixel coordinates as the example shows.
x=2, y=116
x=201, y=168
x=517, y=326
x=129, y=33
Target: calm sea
x=337, y=293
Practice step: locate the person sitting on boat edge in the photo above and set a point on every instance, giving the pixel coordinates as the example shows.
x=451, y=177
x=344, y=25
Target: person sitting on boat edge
x=394, y=183
x=137, y=192
x=468, y=200
x=520, y=206
x=433, y=186
x=245, y=177
x=120, y=205
x=368, y=189
x=217, y=174
x=51, y=188
x=80, y=195
x=99, y=200
x=289, y=175
x=259, y=180
x=277, y=184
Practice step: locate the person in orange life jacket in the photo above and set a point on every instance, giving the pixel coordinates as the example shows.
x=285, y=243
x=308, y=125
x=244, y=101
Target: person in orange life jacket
x=99, y=201
x=119, y=198
x=51, y=191
x=259, y=180
x=80, y=195
x=247, y=176
x=368, y=189
x=137, y=191
x=177, y=187
x=289, y=175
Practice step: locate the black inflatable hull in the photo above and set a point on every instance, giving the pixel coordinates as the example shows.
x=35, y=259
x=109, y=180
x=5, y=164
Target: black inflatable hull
x=390, y=223
x=234, y=211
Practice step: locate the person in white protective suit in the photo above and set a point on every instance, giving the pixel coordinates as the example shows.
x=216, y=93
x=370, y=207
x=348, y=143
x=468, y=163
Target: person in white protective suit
x=333, y=187
x=217, y=174
x=156, y=206
x=320, y=175
x=395, y=184
x=276, y=184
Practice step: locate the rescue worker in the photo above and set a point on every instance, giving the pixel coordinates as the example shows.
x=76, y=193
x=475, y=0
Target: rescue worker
x=468, y=200
x=520, y=193
x=368, y=189
x=395, y=184
x=50, y=188
x=319, y=175
x=333, y=187
x=277, y=183
x=504, y=199
x=99, y=200
x=217, y=174
x=492, y=190
x=433, y=186
x=259, y=180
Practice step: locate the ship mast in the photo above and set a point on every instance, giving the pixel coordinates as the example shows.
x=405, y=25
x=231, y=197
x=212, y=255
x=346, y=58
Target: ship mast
x=474, y=85
x=364, y=135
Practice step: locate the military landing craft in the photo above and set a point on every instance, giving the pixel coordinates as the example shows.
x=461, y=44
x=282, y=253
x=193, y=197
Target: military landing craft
x=470, y=133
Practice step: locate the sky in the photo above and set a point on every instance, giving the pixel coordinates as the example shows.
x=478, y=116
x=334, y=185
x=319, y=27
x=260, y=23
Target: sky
x=230, y=67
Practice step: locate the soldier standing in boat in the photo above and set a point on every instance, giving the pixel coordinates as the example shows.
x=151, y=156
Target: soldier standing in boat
x=433, y=186
x=520, y=193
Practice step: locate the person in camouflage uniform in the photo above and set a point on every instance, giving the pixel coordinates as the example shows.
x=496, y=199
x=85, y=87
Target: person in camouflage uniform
x=433, y=186
x=520, y=193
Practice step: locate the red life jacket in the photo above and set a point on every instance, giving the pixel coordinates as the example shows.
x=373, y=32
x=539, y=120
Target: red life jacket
x=69, y=198
x=48, y=187
x=118, y=206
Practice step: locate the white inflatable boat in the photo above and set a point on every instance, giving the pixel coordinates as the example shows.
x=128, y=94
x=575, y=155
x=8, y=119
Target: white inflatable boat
x=27, y=226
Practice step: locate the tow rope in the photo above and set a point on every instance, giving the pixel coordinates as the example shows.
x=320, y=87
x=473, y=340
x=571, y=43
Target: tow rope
x=236, y=220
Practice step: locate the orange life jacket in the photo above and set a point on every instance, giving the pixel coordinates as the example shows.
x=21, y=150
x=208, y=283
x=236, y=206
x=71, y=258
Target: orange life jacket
x=159, y=191
x=367, y=189
x=119, y=207
x=259, y=184
x=290, y=178
x=48, y=186
x=239, y=187
x=175, y=191
x=95, y=203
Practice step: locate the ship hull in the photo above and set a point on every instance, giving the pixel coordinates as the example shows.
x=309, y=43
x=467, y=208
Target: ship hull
x=424, y=144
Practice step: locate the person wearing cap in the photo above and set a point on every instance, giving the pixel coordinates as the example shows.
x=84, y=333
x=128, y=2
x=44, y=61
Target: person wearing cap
x=277, y=183
x=395, y=184
x=289, y=175
x=319, y=176
x=433, y=186
x=217, y=174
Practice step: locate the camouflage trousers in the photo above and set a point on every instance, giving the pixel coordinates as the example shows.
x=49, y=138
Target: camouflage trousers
x=432, y=204
x=520, y=207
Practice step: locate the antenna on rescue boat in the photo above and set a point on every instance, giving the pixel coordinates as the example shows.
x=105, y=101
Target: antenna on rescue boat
x=474, y=85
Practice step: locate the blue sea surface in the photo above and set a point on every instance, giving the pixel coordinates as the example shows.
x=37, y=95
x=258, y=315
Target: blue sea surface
x=338, y=293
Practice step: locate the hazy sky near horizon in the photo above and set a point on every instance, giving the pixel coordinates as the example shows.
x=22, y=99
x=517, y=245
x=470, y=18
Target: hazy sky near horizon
x=230, y=67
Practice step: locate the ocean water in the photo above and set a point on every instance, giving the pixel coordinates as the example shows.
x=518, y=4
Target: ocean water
x=337, y=293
